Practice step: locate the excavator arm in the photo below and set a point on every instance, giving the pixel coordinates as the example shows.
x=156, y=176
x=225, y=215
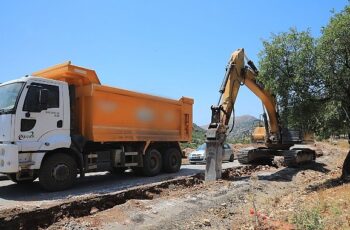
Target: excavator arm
x=237, y=74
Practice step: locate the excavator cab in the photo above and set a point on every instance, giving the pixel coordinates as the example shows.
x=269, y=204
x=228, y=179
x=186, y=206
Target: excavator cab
x=258, y=135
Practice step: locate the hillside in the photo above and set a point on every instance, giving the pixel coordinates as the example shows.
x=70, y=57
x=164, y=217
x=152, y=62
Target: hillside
x=242, y=129
x=198, y=137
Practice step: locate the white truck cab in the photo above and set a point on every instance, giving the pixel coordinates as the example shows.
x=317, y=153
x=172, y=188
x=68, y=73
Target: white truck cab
x=34, y=119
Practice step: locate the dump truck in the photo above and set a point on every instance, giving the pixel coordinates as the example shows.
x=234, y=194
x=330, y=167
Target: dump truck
x=61, y=121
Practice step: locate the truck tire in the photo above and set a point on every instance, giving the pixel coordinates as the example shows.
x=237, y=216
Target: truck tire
x=346, y=168
x=172, y=160
x=58, y=172
x=13, y=178
x=152, y=162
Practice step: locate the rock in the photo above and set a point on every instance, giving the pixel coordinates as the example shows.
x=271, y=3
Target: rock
x=171, y=186
x=206, y=222
x=138, y=218
x=149, y=195
x=223, y=204
x=93, y=210
x=155, y=212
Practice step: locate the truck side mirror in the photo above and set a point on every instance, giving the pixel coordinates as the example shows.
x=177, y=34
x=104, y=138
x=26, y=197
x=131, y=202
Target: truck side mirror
x=43, y=99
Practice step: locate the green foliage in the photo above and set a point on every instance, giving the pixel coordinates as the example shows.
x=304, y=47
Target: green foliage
x=334, y=64
x=332, y=120
x=308, y=219
x=311, y=77
x=288, y=69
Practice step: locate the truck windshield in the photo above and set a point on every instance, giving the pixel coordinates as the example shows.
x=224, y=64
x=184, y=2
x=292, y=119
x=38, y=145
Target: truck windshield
x=8, y=96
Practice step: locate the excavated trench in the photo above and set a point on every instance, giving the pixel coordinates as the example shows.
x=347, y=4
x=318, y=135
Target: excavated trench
x=44, y=217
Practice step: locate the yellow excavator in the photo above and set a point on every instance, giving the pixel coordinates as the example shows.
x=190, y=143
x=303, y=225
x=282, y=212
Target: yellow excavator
x=278, y=141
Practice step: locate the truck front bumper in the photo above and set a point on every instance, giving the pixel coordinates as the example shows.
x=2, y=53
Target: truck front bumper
x=8, y=158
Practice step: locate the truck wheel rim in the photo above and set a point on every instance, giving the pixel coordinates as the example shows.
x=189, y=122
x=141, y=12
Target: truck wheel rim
x=60, y=172
x=153, y=162
x=173, y=161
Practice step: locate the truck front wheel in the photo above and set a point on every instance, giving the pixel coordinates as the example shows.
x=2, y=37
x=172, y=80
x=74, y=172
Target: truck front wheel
x=152, y=162
x=172, y=160
x=58, y=172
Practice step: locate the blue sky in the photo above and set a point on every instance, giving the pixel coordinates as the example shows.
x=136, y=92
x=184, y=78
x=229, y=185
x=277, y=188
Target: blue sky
x=167, y=48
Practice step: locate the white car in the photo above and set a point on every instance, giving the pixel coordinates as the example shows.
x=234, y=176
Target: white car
x=199, y=156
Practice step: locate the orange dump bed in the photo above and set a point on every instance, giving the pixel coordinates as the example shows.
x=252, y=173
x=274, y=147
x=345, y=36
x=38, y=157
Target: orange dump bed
x=107, y=114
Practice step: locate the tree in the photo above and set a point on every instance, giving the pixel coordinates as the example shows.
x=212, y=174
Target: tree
x=288, y=69
x=334, y=63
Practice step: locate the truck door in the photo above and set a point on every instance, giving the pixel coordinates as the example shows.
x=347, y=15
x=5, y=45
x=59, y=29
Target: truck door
x=33, y=125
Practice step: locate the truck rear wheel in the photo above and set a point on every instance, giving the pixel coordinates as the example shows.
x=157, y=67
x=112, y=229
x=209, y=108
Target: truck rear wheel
x=152, y=162
x=172, y=160
x=58, y=172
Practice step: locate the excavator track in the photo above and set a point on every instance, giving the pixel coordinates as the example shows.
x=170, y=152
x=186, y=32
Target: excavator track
x=255, y=155
x=292, y=158
x=243, y=156
x=296, y=157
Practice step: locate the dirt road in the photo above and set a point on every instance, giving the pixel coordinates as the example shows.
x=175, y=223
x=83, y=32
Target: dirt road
x=32, y=196
x=263, y=197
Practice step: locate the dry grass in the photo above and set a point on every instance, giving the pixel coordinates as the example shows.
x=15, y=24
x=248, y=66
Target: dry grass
x=327, y=209
x=341, y=143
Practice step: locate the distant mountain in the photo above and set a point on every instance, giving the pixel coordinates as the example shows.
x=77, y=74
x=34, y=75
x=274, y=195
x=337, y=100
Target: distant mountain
x=198, y=128
x=243, y=127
